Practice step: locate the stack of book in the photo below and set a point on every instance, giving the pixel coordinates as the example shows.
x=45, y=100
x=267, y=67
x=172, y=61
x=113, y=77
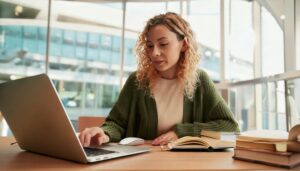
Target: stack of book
x=269, y=147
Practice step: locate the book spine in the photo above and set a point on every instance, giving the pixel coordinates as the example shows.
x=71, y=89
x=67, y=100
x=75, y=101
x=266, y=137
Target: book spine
x=262, y=162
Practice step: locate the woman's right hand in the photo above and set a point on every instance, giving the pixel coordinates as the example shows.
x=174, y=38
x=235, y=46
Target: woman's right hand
x=93, y=136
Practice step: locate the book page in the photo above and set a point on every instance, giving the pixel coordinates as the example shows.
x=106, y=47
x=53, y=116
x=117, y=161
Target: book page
x=218, y=144
x=264, y=135
x=189, y=142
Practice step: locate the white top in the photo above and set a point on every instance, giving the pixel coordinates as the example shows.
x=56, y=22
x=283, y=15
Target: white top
x=168, y=96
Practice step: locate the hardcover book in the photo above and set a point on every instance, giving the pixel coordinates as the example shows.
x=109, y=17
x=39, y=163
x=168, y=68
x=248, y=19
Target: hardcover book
x=282, y=159
x=273, y=140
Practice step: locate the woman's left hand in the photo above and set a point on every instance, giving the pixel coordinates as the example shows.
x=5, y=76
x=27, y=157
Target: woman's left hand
x=165, y=138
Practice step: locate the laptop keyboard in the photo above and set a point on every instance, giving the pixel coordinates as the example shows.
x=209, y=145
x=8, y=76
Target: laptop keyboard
x=96, y=151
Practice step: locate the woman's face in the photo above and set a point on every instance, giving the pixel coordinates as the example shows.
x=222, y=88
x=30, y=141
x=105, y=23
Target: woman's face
x=164, y=50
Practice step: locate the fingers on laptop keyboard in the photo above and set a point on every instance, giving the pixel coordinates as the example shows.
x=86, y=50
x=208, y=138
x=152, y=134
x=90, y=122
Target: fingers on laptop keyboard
x=93, y=136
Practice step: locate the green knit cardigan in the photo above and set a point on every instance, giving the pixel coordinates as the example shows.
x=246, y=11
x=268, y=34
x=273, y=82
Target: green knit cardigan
x=135, y=114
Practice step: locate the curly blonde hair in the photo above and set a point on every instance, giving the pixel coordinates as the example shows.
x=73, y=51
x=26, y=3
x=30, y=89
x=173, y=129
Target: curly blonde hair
x=187, y=71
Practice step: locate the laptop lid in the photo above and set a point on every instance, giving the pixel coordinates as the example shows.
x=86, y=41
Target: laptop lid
x=38, y=120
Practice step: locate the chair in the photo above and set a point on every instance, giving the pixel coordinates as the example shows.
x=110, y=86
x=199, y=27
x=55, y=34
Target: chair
x=89, y=121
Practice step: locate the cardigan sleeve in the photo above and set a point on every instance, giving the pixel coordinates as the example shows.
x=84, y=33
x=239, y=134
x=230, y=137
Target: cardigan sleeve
x=116, y=122
x=215, y=112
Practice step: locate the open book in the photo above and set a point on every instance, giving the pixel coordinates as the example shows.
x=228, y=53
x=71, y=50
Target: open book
x=272, y=140
x=209, y=140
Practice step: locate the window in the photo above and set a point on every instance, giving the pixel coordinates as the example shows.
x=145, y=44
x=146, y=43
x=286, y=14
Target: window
x=21, y=47
x=204, y=17
x=272, y=45
x=241, y=41
x=82, y=67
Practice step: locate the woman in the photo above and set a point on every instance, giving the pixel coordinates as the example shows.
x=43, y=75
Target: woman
x=167, y=97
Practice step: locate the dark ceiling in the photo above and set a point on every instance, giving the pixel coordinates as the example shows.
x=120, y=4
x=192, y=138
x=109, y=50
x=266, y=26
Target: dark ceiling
x=7, y=10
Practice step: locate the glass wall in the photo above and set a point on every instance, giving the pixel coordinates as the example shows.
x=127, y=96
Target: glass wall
x=85, y=53
x=260, y=106
x=293, y=100
x=204, y=17
x=263, y=104
x=21, y=38
x=272, y=45
x=87, y=49
x=242, y=104
x=297, y=19
x=241, y=40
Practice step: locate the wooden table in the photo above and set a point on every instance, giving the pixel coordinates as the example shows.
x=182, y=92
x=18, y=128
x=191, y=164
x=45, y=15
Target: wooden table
x=13, y=158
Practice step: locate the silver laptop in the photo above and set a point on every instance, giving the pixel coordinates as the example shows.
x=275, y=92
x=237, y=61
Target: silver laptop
x=39, y=122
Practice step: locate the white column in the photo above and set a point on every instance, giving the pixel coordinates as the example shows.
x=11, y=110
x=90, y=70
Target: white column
x=257, y=62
